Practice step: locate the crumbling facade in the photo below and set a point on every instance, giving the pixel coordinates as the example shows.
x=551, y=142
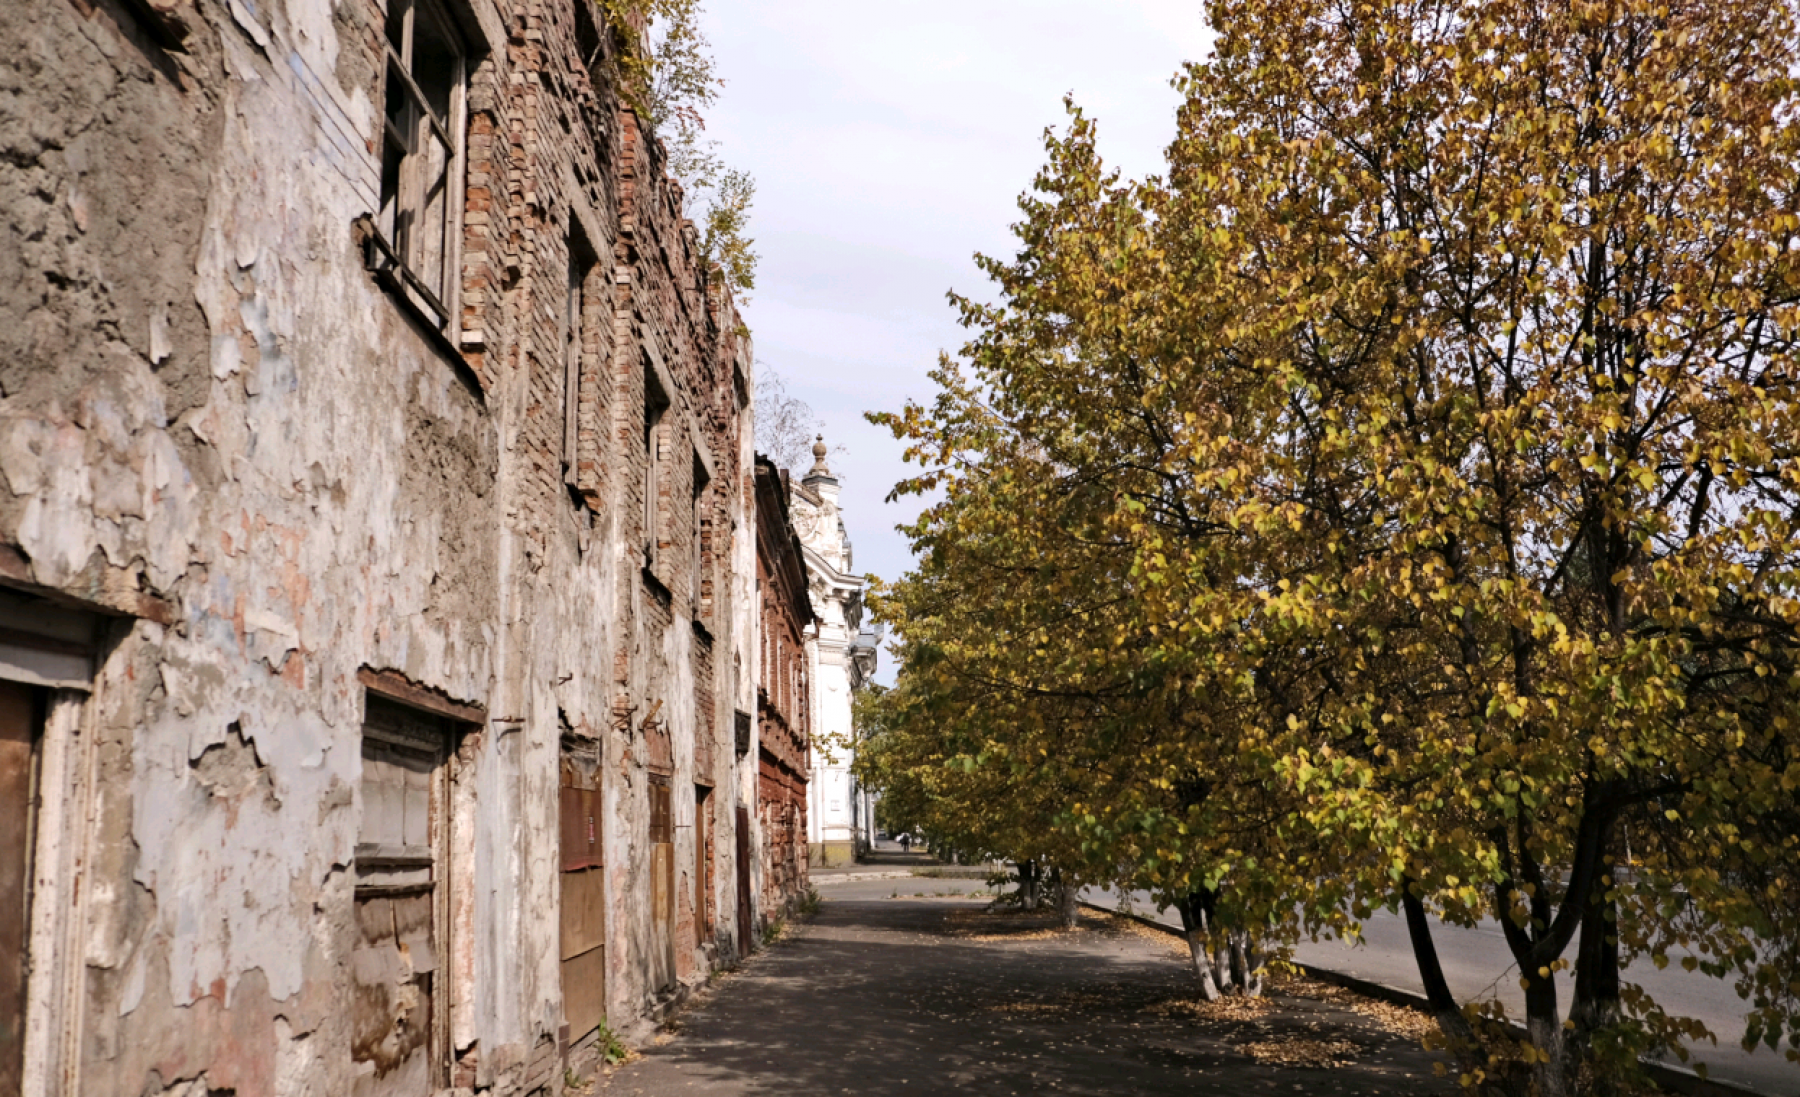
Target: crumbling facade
x=783, y=695
x=376, y=627
x=840, y=659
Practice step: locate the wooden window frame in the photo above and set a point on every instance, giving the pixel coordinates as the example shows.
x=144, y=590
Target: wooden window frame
x=400, y=245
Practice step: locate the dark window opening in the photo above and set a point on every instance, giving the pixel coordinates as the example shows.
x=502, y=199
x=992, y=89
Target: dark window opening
x=656, y=403
x=699, y=532
x=581, y=265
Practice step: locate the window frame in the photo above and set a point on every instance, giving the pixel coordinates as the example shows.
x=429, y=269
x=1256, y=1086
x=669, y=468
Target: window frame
x=396, y=248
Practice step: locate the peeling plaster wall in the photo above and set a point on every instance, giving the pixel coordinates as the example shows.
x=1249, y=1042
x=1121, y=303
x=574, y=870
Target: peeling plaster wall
x=217, y=430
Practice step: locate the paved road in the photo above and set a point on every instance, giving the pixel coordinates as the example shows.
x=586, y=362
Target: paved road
x=1478, y=965
x=924, y=995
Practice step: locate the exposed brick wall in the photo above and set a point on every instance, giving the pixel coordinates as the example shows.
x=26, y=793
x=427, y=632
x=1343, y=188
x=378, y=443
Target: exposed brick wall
x=309, y=479
x=784, y=704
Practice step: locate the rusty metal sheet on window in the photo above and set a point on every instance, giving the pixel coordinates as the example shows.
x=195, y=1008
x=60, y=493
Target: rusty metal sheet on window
x=581, y=845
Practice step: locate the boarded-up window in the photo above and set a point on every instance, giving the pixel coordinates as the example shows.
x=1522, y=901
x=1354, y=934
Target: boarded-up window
x=398, y=1015
x=583, y=902
x=18, y=736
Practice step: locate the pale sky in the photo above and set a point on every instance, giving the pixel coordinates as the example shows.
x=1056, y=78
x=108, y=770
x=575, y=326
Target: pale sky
x=889, y=144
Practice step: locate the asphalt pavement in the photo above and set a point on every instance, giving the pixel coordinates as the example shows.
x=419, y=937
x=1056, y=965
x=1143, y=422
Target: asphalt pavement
x=896, y=989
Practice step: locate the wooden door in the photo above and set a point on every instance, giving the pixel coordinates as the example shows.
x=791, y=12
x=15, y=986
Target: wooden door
x=583, y=903
x=399, y=1035
x=18, y=734
x=745, y=915
x=662, y=883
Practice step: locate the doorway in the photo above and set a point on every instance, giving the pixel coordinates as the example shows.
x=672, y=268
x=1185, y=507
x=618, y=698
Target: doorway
x=662, y=883
x=583, y=900
x=20, y=717
x=703, y=860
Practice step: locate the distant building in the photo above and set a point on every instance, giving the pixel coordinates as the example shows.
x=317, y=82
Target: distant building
x=783, y=696
x=842, y=660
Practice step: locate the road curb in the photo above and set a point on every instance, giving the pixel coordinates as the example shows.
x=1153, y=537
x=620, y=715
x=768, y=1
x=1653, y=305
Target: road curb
x=849, y=877
x=1669, y=1076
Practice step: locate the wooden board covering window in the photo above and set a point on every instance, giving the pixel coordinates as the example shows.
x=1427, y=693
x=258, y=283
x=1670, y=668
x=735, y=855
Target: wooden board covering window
x=398, y=1035
x=18, y=733
x=583, y=903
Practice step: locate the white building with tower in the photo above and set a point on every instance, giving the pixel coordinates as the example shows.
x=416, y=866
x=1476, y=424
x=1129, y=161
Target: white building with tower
x=841, y=660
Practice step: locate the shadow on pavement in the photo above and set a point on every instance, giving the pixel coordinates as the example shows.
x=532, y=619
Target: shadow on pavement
x=927, y=996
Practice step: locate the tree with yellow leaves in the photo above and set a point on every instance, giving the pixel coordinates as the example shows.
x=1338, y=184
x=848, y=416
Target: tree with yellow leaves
x=1425, y=445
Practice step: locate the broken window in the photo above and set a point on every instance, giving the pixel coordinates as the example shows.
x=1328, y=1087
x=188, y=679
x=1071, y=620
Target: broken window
x=581, y=264
x=399, y=1041
x=697, y=508
x=421, y=152
x=656, y=403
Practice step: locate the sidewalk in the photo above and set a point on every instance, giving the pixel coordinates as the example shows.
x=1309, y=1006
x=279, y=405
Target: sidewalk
x=932, y=996
x=886, y=862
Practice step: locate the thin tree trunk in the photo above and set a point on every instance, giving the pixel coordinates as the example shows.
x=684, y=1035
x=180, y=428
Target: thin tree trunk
x=1028, y=884
x=1070, y=899
x=1194, y=930
x=1246, y=964
x=1449, y=1015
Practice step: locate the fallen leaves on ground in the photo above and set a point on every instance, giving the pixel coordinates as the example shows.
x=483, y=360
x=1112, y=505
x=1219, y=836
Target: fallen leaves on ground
x=1232, y=1007
x=994, y=925
x=1301, y=1053
x=1398, y=1020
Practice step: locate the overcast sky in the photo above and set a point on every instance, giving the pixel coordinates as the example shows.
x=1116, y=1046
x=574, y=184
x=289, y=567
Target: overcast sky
x=889, y=144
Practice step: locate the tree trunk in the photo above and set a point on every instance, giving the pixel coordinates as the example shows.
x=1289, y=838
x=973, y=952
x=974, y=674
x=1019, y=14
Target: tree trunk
x=1246, y=964
x=1194, y=929
x=1070, y=900
x=1549, y=1075
x=1449, y=1016
x=1596, y=1003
